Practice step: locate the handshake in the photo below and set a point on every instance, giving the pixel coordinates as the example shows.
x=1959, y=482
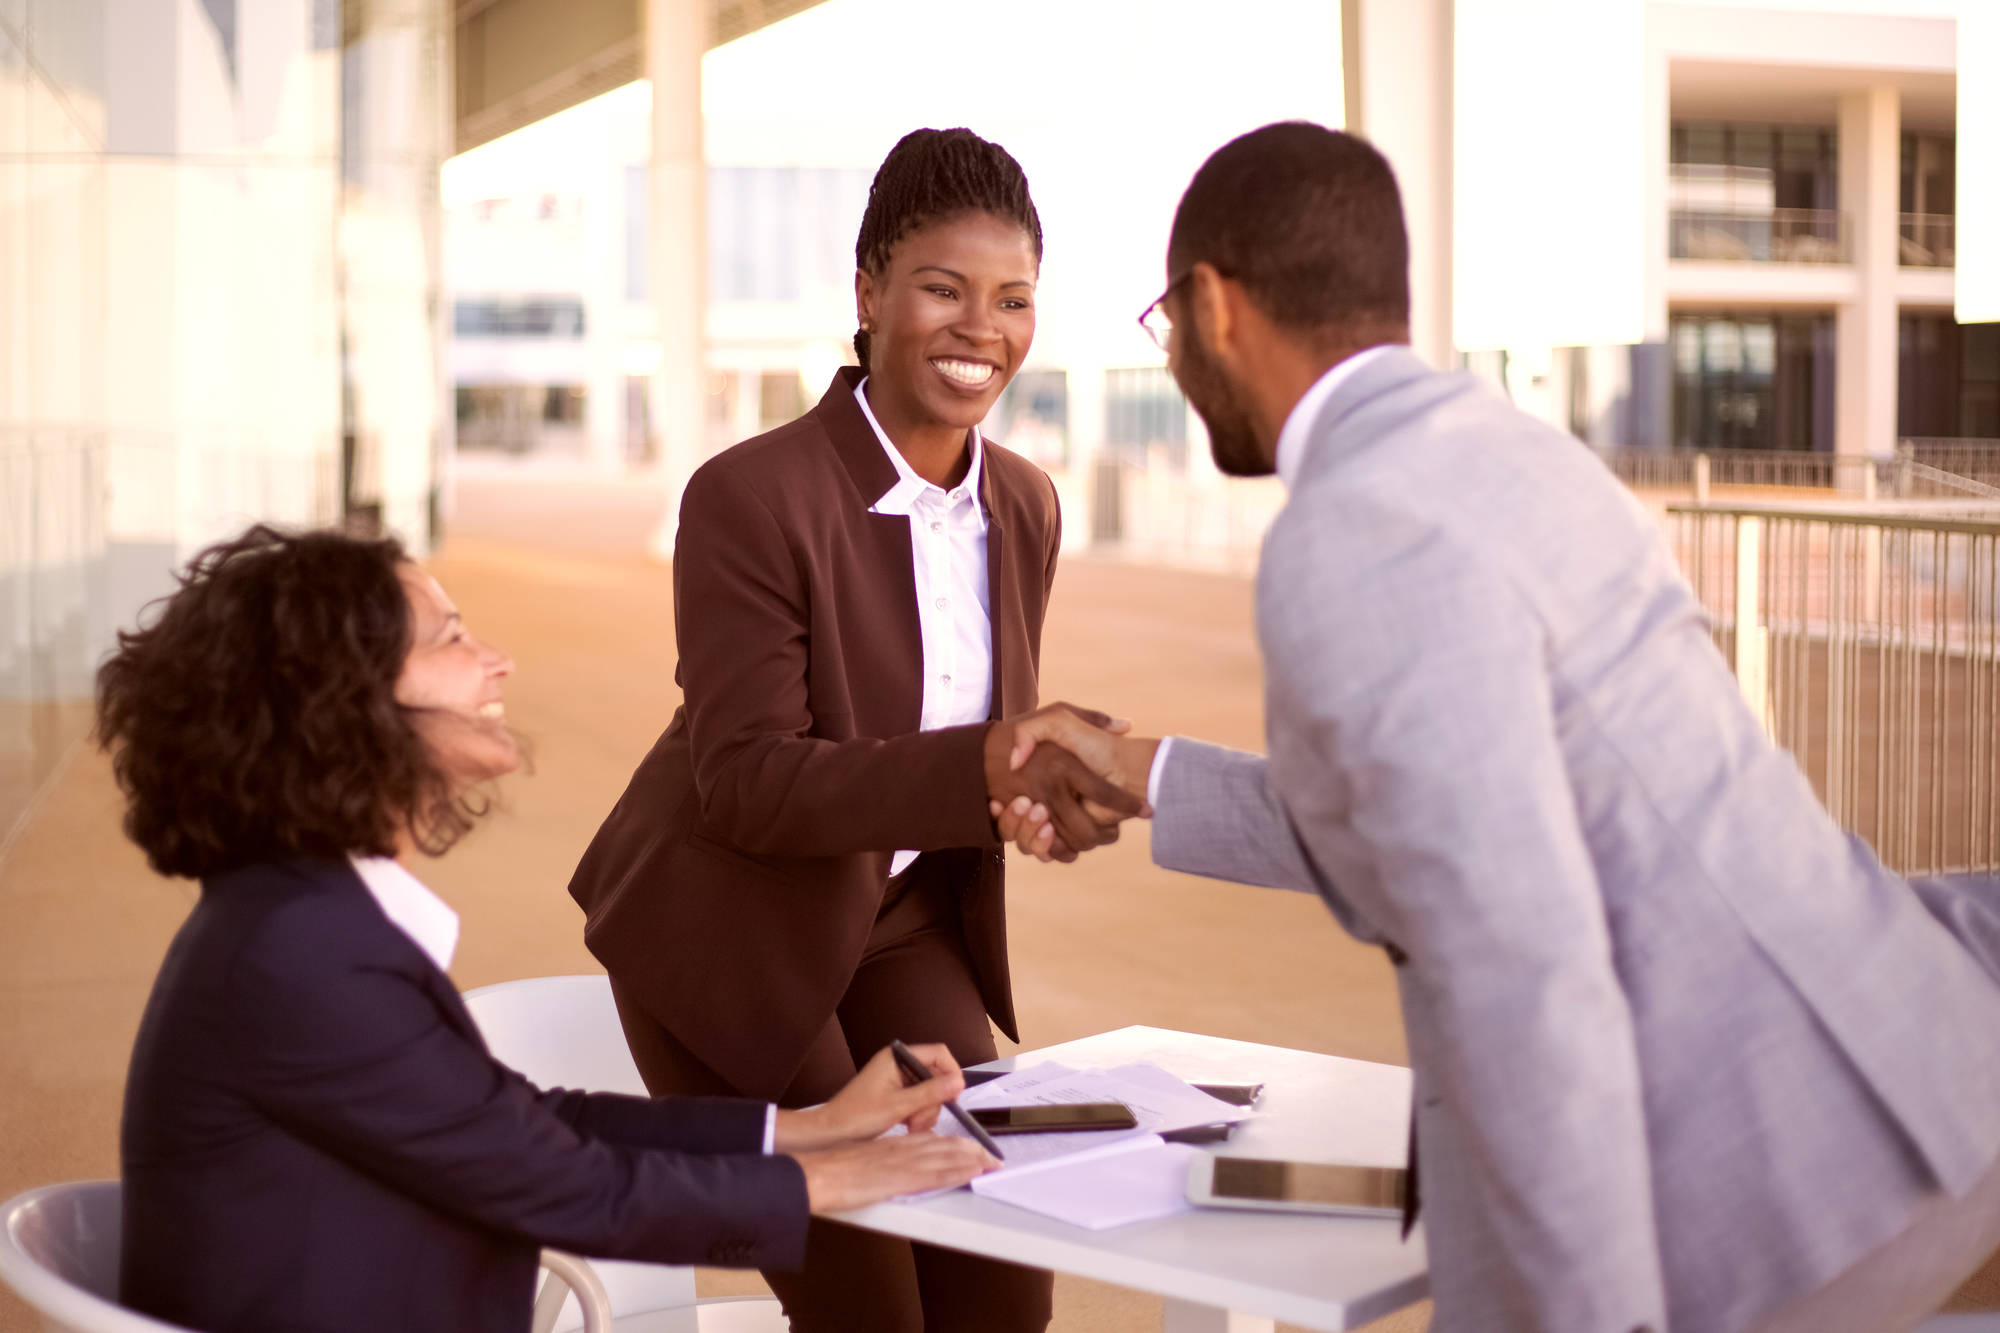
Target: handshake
x=1061, y=779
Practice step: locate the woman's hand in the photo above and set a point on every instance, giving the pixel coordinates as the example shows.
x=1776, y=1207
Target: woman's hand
x=1082, y=800
x=855, y=1176
x=873, y=1100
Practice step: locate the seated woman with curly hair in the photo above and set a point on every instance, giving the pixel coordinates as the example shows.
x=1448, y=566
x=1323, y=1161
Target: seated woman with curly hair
x=315, y=1138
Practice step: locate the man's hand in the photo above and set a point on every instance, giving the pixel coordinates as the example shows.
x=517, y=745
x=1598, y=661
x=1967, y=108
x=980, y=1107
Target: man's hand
x=854, y=1177
x=1107, y=751
x=873, y=1100
x=1082, y=806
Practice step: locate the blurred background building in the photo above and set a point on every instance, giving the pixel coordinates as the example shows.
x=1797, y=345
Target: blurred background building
x=353, y=260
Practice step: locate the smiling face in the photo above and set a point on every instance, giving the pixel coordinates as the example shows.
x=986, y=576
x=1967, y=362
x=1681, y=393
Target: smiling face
x=451, y=683
x=951, y=316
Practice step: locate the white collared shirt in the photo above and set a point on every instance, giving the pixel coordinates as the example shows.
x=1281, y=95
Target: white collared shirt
x=411, y=907
x=433, y=927
x=1293, y=437
x=954, y=610
x=1297, y=430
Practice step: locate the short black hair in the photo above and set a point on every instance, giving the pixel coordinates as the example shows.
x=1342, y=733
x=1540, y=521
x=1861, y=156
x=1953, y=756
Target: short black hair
x=931, y=175
x=1309, y=221
x=254, y=719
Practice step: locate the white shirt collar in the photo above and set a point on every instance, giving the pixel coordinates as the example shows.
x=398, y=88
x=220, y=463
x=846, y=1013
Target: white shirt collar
x=902, y=497
x=412, y=908
x=1297, y=431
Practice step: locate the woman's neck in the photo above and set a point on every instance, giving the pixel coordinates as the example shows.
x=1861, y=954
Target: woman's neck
x=935, y=451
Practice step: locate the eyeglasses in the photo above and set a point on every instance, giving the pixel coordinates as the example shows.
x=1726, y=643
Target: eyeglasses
x=1159, y=326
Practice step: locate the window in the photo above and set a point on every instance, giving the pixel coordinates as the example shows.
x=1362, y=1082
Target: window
x=1032, y=417
x=1929, y=201
x=783, y=233
x=1757, y=192
x=520, y=418
x=1144, y=412
x=557, y=317
x=1948, y=381
x=1753, y=381
x=780, y=398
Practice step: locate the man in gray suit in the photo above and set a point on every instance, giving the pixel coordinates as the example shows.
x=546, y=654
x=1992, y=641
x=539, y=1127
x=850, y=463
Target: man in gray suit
x=1686, y=1056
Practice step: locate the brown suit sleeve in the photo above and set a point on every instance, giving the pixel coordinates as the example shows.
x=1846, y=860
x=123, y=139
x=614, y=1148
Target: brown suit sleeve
x=765, y=785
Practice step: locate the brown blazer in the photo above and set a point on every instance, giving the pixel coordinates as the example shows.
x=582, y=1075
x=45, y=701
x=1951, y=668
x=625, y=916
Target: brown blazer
x=734, y=884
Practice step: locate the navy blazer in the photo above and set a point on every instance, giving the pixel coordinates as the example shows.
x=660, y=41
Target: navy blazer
x=315, y=1137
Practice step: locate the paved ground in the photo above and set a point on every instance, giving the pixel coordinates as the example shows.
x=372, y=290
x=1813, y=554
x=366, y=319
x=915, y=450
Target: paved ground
x=1104, y=943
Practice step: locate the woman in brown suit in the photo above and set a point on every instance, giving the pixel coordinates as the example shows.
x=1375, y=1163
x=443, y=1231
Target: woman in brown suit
x=805, y=866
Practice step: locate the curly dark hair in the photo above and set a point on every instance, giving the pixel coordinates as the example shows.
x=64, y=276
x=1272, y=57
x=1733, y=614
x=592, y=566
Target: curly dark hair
x=931, y=175
x=255, y=719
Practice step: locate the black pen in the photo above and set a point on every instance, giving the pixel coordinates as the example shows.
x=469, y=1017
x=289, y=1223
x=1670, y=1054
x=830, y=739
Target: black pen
x=915, y=1072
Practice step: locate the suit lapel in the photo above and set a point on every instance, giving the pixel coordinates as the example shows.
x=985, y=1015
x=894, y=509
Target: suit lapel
x=895, y=615
x=1003, y=593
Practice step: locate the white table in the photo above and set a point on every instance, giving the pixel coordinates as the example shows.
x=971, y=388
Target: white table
x=1318, y=1272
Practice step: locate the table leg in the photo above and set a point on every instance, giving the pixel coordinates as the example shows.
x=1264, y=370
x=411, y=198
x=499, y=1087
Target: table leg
x=1187, y=1317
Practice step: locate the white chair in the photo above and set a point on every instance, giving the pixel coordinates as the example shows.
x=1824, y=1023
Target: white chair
x=60, y=1246
x=564, y=1032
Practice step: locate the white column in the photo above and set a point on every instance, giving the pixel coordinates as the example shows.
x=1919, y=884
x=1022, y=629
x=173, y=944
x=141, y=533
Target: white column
x=1865, y=332
x=1978, y=194
x=1396, y=64
x=677, y=249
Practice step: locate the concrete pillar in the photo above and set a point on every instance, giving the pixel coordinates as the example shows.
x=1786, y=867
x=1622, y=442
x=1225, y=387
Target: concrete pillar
x=677, y=249
x=1865, y=328
x=394, y=70
x=1396, y=67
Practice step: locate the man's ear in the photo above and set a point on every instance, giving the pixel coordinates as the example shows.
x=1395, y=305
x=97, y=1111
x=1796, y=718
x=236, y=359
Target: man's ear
x=1212, y=299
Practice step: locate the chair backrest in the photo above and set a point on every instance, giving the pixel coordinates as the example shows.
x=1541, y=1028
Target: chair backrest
x=59, y=1248
x=561, y=1032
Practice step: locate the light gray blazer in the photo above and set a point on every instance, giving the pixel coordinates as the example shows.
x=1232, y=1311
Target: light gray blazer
x=1683, y=1049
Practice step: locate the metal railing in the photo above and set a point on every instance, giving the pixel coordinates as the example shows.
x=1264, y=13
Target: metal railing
x=1978, y=459
x=1908, y=474
x=1928, y=240
x=1867, y=638
x=1780, y=236
x=1691, y=470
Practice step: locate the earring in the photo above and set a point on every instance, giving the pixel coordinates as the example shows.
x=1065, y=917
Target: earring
x=868, y=326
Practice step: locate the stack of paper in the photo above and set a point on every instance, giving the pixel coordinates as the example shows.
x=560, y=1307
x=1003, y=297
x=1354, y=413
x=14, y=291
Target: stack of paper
x=1097, y=1178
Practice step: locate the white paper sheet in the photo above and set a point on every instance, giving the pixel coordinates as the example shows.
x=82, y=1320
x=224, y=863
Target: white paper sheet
x=1137, y=1182
x=1128, y=1179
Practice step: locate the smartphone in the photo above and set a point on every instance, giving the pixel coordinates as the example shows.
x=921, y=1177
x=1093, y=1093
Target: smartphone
x=997, y=1120
x=1297, y=1187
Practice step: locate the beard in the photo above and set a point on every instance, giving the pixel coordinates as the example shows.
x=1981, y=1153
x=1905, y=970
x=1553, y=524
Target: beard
x=1231, y=440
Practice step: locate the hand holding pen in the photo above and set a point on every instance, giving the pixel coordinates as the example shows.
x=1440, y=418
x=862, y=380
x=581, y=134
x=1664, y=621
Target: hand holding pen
x=915, y=1073
x=838, y=1145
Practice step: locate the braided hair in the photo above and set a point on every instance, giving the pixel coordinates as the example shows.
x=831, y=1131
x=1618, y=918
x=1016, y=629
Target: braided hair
x=931, y=175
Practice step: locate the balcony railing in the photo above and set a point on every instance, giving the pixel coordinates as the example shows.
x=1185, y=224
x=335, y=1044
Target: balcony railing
x=1919, y=470
x=1928, y=240
x=1781, y=236
x=1868, y=641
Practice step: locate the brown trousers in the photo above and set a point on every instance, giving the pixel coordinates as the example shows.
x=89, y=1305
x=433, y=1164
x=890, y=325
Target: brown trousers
x=915, y=982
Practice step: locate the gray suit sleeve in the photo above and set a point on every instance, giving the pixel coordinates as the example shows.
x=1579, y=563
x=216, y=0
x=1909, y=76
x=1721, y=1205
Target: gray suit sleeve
x=1217, y=816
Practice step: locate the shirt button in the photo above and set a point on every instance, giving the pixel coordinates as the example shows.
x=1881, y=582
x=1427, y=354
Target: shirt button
x=937, y=527
x=942, y=603
x=944, y=680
